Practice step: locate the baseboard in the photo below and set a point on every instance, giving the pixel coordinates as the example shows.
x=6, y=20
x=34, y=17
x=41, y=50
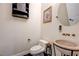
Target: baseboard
x=21, y=53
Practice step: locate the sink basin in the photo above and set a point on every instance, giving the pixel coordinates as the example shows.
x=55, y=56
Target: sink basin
x=65, y=46
x=66, y=43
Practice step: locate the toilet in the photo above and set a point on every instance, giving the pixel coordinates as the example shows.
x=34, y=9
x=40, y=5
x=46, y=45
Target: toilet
x=40, y=48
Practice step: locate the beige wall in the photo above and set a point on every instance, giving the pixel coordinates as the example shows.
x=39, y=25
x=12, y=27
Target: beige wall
x=50, y=30
x=14, y=32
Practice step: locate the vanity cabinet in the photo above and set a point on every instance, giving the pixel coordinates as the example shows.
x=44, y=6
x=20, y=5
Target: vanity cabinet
x=48, y=51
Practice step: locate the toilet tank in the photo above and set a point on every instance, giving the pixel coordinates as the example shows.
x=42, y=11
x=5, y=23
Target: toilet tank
x=43, y=42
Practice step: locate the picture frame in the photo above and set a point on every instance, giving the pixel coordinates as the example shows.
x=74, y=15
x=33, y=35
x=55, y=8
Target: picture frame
x=20, y=10
x=47, y=15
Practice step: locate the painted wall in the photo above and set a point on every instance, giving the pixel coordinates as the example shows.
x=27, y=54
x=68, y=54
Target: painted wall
x=50, y=31
x=14, y=32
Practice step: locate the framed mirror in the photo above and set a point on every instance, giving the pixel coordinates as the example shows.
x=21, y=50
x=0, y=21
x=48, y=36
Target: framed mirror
x=68, y=13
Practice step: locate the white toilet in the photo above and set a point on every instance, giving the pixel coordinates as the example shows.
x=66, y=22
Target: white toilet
x=40, y=48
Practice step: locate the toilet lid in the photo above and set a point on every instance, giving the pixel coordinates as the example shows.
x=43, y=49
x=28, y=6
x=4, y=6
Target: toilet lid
x=37, y=47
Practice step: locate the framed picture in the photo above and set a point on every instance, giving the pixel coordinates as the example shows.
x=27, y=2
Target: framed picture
x=47, y=15
x=20, y=10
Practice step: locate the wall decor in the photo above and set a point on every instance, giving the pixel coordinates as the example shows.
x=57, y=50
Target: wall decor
x=20, y=10
x=47, y=15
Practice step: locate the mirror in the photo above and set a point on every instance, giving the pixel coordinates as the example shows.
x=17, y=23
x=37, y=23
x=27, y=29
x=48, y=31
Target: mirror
x=68, y=13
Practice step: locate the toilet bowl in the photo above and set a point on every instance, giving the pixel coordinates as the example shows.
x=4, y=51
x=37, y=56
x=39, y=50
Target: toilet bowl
x=40, y=48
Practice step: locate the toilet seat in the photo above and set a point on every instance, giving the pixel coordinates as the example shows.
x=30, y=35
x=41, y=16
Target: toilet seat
x=37, y=49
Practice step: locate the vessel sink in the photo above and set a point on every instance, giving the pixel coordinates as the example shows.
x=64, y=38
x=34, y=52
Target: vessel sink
x=66, y=43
